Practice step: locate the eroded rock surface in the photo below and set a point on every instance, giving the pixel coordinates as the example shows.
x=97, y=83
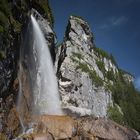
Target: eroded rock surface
x=80, y=80
x=64, y=127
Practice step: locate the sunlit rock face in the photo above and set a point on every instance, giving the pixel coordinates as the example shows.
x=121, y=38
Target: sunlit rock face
x=77, y=72
x=64, y=127
x=61, y=127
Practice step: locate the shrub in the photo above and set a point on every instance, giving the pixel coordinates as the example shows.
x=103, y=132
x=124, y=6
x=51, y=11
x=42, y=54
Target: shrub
x=1, y=29
x=45, y=5
x=128, y=98
x=115, y=114
x=110, y=75
x=3, y=20
x=101, y=52
x=5, y=7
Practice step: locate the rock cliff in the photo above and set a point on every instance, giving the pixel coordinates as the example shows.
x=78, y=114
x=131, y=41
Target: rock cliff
x=80, y=79
x=90, y=81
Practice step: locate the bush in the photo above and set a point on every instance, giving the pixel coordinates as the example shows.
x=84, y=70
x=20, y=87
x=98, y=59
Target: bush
x=5, y=7
x=3, y=20
x=45, y=6
x=115, y=115
x=110, y=75
x=102, y=53
x=128, y=98
x=1, y=29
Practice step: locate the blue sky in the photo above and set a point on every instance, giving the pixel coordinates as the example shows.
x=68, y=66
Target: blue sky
x=114, y=23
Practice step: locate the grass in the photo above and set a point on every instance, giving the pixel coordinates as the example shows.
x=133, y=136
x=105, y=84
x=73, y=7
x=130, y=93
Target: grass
x=115, y=115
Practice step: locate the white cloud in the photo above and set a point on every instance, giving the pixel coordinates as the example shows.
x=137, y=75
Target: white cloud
x=113, y=22
x=137, y=83
x=118, y=21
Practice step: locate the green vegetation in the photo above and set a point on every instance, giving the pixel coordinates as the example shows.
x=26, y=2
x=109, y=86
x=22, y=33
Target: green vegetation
x=2, y=55
x=1, y=29
x=113, y=60
x=92, y=74
x=128, y=98
x=96, y=80
x=16, y=25
x=115, y=114
x=5, y=11
x=101, y=54
x=5, y=7
x=74, y=60
x=110, y=75
x=101, y=66
x=125, y=72
x=44, y=4
x=4, y=22
x=77, y=55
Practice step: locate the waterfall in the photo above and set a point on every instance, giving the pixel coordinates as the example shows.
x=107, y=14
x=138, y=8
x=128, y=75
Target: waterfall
x=37, y=81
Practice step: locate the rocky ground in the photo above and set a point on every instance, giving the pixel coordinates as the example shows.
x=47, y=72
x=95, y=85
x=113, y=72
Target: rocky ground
x=64, y=127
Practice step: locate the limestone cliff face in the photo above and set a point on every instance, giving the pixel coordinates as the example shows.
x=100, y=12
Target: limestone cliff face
x=81, y=82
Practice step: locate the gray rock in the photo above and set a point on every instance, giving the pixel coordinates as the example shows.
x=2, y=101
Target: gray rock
x=138, y=137
x=47, y=31
x=76, y=86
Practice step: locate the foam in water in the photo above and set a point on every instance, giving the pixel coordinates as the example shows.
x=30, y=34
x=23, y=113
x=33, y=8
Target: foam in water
x=36, y=74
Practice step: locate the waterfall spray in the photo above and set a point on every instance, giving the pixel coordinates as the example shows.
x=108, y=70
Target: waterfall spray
x=38, y=84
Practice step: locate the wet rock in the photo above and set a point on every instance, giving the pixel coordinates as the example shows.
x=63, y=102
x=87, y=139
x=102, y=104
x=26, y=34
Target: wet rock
x=47, y=31
x=138, y=137
x=13, y=123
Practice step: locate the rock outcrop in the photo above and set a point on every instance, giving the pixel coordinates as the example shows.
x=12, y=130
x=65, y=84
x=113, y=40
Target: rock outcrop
x=64, y=127
x=90, y=82
x=80, y=79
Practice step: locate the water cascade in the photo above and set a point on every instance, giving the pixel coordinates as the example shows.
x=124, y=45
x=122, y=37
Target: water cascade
x=38, y=84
